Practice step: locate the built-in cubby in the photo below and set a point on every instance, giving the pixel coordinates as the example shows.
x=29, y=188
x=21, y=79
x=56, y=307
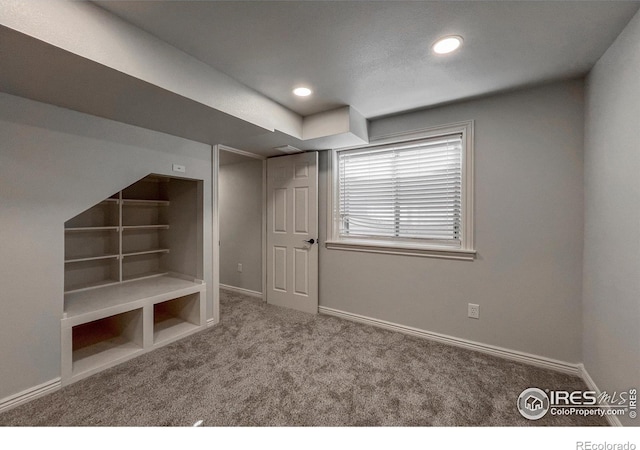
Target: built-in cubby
x=102, y=341
x=174, y=317
x=133, y=274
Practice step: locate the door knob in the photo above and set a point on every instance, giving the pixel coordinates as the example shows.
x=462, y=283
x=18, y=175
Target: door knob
x=310, y=241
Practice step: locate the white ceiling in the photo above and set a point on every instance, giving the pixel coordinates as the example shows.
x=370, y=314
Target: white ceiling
x=375, y=56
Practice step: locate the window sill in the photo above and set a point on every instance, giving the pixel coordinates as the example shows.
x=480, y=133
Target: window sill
x=426, y=252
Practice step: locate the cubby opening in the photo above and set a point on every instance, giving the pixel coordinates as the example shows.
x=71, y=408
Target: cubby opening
x=175, y=317
x=106, y=340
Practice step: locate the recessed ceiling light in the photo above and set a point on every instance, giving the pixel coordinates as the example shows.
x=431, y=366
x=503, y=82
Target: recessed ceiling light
x=302, y=91
x=447, y=44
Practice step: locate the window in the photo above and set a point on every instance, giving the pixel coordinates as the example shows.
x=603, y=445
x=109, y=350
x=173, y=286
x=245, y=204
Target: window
x=409, y=195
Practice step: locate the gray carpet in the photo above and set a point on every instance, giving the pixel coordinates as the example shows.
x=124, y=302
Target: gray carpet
x=269, y=366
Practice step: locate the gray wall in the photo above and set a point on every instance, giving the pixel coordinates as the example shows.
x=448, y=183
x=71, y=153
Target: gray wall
x=240, y=216
x=527, y=277
x=55, y=163
x=612, y=217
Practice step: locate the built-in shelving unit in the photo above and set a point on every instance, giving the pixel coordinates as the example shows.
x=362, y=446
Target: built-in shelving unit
x=133, y=274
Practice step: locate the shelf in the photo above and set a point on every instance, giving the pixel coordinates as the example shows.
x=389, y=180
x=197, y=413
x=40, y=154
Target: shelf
x=91, y=286
x=146, y=252
x=75, y=229
x=110, y=200
x=114, y=228
x=131, y=201
x=171, y=328
x=102, y=354
x=143, y=227
x=91, y=274
x=143, y=276
x=90, y=258
x=88, y=303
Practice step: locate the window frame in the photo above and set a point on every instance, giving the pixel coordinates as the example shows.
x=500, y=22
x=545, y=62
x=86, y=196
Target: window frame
x=398, y=246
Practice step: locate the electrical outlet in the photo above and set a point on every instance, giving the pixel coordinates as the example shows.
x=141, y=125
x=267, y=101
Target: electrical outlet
x=239, y=267
x=474, y=311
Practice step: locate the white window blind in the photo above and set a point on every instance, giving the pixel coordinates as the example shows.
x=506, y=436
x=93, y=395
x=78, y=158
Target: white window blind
x=409, y=191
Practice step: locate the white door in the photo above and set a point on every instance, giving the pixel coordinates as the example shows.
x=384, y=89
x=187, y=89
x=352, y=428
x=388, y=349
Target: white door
x=292, y=231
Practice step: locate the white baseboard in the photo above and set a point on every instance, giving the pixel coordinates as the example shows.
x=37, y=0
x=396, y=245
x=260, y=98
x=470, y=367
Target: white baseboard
x=587, y=379
x=29, y=394
x=211, y=322
x=514, y=355
x=613, y=420
x=243, y=291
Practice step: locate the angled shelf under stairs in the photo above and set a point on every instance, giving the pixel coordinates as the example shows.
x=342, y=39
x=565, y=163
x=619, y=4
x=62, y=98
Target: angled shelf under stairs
x=125, y=292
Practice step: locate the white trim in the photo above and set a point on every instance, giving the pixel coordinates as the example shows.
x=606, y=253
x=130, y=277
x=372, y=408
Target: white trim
x=243, y=291
x=211, y=322
x=332, y=176
x=215, y=223
x=216, y=232
x=226, y=148
x=388, y=249
x=467, y=194
x=613, y=420
x=264, y=230
x=27, y=395
x=420, y=133
x=513, y=355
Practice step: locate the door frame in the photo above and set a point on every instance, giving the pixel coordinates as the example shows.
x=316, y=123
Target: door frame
x=216, y=149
